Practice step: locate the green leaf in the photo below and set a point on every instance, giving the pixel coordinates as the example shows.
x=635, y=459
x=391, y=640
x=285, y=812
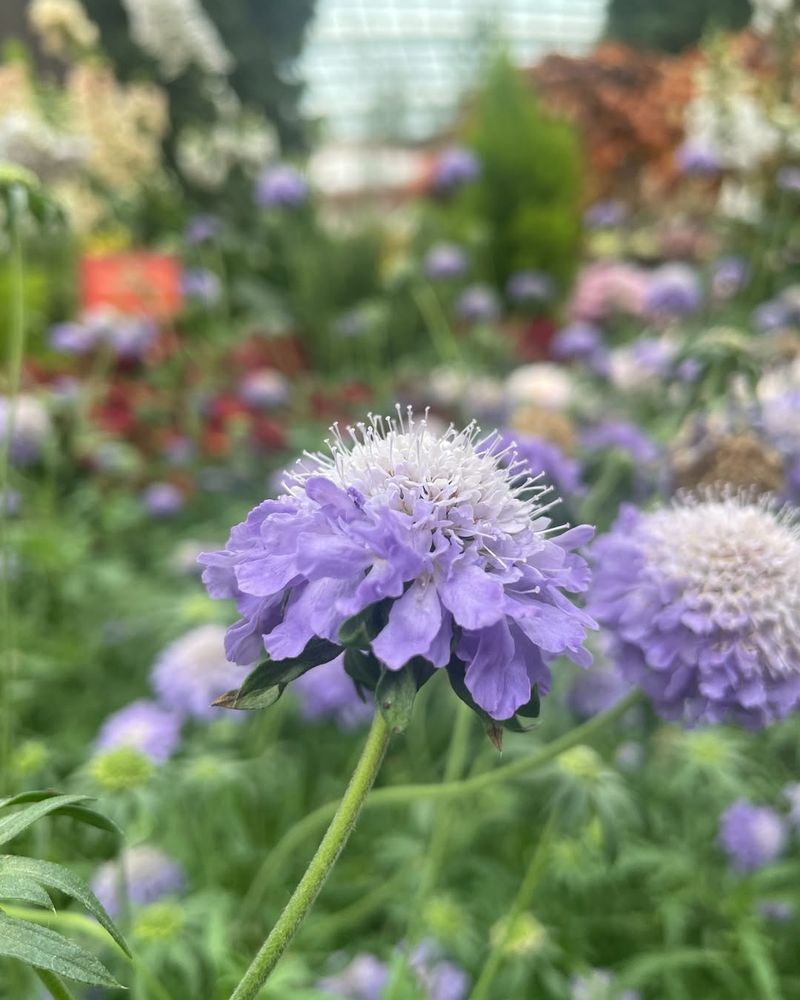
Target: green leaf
x=395, y=696
x=79, y=812
x=25, y=889
x=363, y=668
x=264, y=685
x=14, y=824
x=359, y=631
x=62, y=879
x=46, y=949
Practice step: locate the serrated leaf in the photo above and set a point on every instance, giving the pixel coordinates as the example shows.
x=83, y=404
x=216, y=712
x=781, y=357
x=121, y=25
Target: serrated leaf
x=16, y=823
x=46, y=949
x=58, y=877
x=263, y=686
x=18, y=886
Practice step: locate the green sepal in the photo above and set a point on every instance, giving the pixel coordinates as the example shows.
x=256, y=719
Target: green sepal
x=359, y=631
x=263, y=686
x=363, y=668
x=395, y=696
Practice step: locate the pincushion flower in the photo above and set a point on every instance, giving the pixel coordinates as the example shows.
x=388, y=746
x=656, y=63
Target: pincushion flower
x=329, y=693
x=25, y=427
x=454, y=167
x=143, y=725
x=281, y=186
x=673, y=291
x=145, y=873
x=163, y=499
x=441, y=531
x=192, y=671
x=701, y=600
x=477, y=304
x=444, y=261
x=751, y=836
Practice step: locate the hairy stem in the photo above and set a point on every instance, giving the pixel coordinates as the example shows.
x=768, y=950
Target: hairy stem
x=321, y=865
x=53, y=985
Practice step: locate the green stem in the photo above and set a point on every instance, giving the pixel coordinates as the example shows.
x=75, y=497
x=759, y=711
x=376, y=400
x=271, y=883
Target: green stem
x=444, y=340
x=16, y=350
x=302, y=899
x=402, y=794
x=482, y=988
x=54, y=986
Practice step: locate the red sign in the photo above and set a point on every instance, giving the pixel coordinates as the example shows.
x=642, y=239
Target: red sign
x=140, y=282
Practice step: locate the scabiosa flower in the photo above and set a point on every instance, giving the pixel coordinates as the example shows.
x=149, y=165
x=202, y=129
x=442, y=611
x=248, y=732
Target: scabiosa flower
x=535, y=456
x=697, y=158
x=729, y=275
x=599, y=985
x=701, y=599
x=444, y=261
x=328, y=692
x=144, y=725
x=622, y=435
x=439, y=978
x=281, y=186
x=144, y=873
x=477, y=304
x=530, y=287
x=126, y=337
x=437, y=526
x=193, y=671
x=264, y=389
x=673, y=291
x=578, y=341
x=779, y=911
x=24, y=428
x=596, y=690
x=202, y=229
x=751, y=836
x=604, y=214
x=72, y=338
x=365, y=978
x=200, y=285
x=162, y=500
x=605, y=288
x=455, y=167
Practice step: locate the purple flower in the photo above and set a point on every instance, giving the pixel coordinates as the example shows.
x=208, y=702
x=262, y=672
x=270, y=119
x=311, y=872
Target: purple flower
x=147, y=727
x=729, y=275
x=201, y=285
x=788, y=179
x=264, y=389
x=143, y=873
x=72, y=338
x=193, y=671
x=365, y=978
x=751, y=836
x=477, y=304
x=697, y=158
x=438, y=978
x=622, y=435
x=599, y=985
x=779, y=911
x=596, y=690
x=771, y=315
x=700, y=600
x=535, y=456
x=127, y=337
x=530, y=287
x=25, y=420
x=328, y=692
x=578, y=341
x=436, y=526
x=281, y=186
x=445, y=261
x=201, y=229
x=673, y=291
x=163, y=500
x=455, y=167
x=604, y=214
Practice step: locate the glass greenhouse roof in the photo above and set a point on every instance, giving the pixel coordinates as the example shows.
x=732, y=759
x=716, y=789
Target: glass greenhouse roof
x=397, y=68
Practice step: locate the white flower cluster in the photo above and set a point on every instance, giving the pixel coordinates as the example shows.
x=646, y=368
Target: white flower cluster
x=207, y=155
x=32, y=143
x=178, y=34
x=767, y=14
x=735, y=125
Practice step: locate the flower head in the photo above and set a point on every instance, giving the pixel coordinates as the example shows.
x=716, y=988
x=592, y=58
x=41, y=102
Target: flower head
x=701, y=599
x=477, y=304
x=200, y=285
x=264, y=388
x=329, y=693
x=25, y=426
x=201, y=229
x=365, y=978
x=193, y=670
x=604, y=288
x=455, y=167
x=281, y=186
x=728, y=276
x=698, y=158
x=144, y=725
x=598, y=984
x=751, y=836
x=441, y=531
x=527, y=287
x=673, y=291
x=788, y=179
x=444, y=261
x=145, y=873
x=578, y=341
x=163, y=499
x=604, y=214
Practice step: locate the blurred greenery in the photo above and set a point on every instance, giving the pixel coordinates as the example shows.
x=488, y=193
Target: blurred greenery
x=673, y=26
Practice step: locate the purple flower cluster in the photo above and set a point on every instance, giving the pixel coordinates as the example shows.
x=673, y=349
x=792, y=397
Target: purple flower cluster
x=701, y=602
x=444, y=528
x=328, y=692
x=477, y=304
x=581, y=341
x=202, y=286
x=751, y=836
x=729, y=275
x=605, y=214
x=530, y=287
x=444, y=261
x=143, y=725
x=596, y=690
x=125, y=337
x=624, y=436
x=143, y=873
x=699, y=159
x=163, y=499
x=366, y=977
x=281, y=186
x=455, y=167
x=24, y=428
x=673, y=291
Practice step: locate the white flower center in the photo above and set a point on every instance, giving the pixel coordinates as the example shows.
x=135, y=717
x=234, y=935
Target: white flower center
x=736, y=560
